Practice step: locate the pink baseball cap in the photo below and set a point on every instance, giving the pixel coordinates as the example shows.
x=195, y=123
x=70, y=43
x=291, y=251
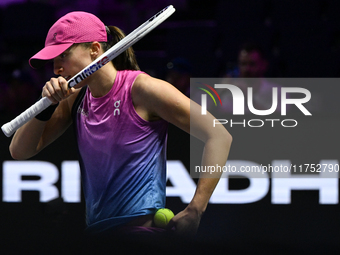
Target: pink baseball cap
x=74, y=27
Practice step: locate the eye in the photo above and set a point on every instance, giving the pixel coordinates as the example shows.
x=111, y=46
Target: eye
x=63, y=55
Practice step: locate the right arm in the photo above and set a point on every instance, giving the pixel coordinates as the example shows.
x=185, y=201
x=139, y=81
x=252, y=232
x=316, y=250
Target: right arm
x=35, y=135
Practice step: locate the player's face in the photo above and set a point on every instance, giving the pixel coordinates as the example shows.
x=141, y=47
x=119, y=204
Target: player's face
x=71, y=61
x=251, y=64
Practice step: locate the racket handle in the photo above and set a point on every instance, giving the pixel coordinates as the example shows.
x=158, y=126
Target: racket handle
x=10, y=127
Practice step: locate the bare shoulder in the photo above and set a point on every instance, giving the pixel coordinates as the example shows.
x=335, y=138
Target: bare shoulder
x=144, y=94
x=146, y=84
x=156, y=90
x=160, y=99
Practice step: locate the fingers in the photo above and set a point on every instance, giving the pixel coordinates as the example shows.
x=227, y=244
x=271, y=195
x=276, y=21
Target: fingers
x=184, y=224
x=171, y=225
x=56, y=89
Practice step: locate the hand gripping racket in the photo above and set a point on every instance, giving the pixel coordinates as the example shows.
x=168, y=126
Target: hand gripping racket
x=10, y=127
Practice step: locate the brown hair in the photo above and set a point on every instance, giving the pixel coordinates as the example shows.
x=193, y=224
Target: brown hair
x=127, y=59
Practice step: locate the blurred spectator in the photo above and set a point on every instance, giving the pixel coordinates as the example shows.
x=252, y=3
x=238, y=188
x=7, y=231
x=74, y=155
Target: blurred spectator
x=179, y=72
x=252, y=66
x=252, y=62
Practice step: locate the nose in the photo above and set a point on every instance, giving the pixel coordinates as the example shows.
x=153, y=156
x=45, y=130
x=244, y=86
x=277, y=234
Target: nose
x=57, y=68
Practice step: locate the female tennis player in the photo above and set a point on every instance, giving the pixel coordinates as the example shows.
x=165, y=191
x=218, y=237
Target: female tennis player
x=120, y=117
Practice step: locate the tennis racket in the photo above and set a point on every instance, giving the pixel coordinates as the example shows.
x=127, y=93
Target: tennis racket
x=9, y=128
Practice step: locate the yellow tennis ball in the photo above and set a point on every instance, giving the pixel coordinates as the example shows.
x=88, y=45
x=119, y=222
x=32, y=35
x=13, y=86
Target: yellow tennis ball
x=162, y=217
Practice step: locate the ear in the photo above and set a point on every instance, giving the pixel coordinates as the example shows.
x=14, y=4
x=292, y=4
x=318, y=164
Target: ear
x=95, y=50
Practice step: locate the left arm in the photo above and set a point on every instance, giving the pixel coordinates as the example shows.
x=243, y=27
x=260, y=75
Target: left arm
x=154, y=98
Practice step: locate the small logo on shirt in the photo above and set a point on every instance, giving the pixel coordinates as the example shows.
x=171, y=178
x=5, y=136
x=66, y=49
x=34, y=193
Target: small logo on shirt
x=82, y=111
x=116, y=105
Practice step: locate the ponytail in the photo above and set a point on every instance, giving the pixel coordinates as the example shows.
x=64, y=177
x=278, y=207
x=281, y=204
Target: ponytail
x=127, y=59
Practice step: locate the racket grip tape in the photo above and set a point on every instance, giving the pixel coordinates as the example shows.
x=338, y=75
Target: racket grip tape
x=9, y=128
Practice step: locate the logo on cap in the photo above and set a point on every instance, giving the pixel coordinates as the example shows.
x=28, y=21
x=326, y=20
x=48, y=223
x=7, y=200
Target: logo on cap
x=54, y=36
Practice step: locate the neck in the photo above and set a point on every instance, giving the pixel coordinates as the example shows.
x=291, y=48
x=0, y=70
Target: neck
x=102, y=81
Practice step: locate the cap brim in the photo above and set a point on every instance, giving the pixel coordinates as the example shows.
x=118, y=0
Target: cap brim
x=48, y=53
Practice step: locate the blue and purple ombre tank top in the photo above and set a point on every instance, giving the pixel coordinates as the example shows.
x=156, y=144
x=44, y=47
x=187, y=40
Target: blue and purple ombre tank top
x=122, y=156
